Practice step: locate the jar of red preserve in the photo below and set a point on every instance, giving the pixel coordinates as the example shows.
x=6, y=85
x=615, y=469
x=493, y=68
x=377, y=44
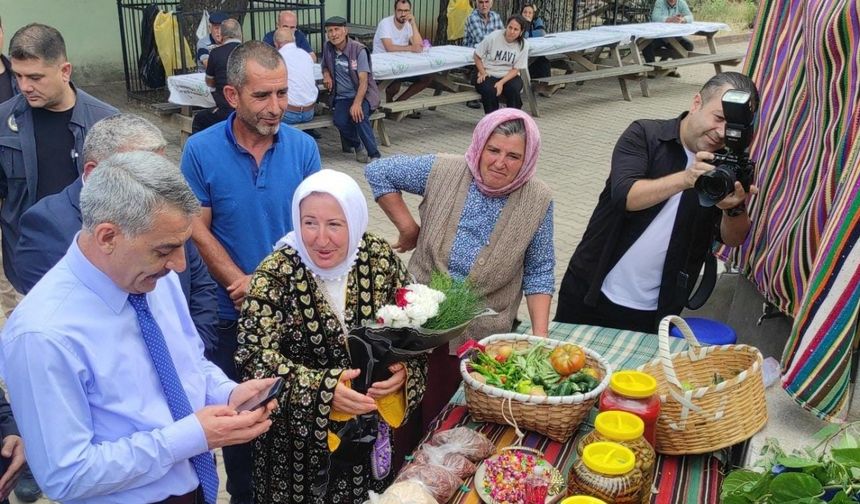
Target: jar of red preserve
x=634, y=392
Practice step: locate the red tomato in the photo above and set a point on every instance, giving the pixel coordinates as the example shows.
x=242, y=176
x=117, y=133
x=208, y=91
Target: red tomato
x=567, y=359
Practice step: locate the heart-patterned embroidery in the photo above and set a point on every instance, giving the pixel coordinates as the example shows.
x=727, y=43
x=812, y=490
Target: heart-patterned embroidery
x=365, y=283
x=364, y=269
x=325, y=409
x=302, y=286
x=326, y=396
x=366, y=310
x=305, y=299
x=309, y=313
x=316, y=338
x=330, y=382
x=365, y=296
x=356, y=469
x=320, y=435
x=313, y=326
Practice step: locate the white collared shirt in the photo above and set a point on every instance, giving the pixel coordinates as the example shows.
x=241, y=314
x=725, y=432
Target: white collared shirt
x=300, y=75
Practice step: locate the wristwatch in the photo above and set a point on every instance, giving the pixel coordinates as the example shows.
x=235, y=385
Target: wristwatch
x=735, y=211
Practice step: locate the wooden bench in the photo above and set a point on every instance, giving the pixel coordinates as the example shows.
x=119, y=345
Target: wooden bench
x=397, y=110
x=718, y=60
x=323, y=121
x=603, y=73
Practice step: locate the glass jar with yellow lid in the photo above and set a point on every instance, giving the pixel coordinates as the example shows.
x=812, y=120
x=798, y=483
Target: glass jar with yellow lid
x=634, y=392
x=581, y=499
x=607, y=471
x=625, y=429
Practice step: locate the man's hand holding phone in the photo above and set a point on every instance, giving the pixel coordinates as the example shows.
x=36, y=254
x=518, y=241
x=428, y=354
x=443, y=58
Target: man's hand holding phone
x=226, y=425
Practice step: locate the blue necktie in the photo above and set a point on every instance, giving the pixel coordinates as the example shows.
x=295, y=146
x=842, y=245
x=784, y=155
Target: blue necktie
x=177, y=401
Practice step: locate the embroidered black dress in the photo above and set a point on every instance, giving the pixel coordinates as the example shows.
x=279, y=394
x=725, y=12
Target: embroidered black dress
x=288, y=329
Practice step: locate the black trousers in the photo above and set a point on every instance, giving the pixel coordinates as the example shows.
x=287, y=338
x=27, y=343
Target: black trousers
x=573, y=310
x=510, y=91
x=540, y=67
x=207, y=117
x=649, y=52
x=237, y=458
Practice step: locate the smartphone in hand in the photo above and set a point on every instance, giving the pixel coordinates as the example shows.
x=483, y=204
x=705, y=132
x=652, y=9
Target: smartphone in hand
x=262, y=398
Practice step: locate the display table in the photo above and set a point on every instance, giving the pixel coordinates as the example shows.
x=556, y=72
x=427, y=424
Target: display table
x=679, y=480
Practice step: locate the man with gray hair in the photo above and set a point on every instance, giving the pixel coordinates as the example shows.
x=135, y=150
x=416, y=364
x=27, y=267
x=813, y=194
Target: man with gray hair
x=244, y=171
x=216, y=77
x=49, y=227
x=42, y=129
x=105, y=371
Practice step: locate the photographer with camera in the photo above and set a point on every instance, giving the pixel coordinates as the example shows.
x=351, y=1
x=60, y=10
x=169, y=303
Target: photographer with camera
x=669, y=196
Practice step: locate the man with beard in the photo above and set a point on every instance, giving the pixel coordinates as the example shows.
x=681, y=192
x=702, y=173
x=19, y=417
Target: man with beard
x=244, y=172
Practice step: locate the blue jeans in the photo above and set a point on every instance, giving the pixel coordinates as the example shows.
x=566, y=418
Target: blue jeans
x=354, y=133
x=298, y=117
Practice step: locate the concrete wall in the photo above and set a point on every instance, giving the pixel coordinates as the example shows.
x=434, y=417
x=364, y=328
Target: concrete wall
x=91, y=31
x=90, y=28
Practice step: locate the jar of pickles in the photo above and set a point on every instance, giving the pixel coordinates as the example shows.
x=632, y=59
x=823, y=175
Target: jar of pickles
x=607, y=471
x=625, y=429
x=634, y=392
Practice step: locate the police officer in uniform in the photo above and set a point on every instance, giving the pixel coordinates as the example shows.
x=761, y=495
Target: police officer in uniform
x=42, y=129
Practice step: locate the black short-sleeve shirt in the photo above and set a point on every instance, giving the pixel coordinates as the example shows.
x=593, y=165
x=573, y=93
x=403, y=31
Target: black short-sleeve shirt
x=216, y=68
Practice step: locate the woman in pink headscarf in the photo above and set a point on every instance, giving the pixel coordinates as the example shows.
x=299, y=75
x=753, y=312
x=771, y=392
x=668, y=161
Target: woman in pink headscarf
x=483, y=217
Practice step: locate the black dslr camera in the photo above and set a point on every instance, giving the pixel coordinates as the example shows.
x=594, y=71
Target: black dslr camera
x=732, y=164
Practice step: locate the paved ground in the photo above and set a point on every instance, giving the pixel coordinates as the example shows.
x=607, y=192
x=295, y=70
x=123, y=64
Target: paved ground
x=579, y=127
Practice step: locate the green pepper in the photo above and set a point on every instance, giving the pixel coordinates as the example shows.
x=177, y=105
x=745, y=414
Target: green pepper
x=524, y=386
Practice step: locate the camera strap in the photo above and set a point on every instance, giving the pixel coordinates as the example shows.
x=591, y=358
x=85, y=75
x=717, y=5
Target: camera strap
x=706, y=284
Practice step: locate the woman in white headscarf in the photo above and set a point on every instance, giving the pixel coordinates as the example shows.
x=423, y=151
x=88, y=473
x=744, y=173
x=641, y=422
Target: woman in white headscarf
x=328, y=443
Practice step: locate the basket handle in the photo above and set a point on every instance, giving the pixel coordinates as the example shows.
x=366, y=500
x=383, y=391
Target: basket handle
x=508, y=401
x=665, y=352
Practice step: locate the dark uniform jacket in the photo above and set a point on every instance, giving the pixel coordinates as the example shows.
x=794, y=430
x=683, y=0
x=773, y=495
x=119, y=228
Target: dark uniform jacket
x=48, y=228
x=18, y=168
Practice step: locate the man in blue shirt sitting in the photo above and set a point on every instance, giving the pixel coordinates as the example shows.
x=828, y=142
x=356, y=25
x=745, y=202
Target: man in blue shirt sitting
x=244, y=172
x=105, y=371
x=289, y=20
x=49, y=226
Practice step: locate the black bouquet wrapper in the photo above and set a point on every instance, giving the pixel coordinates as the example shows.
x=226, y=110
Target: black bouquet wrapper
x=374, y=348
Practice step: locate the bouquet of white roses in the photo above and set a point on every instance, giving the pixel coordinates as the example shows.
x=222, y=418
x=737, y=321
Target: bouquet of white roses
x=416, y=304
x=422, y=318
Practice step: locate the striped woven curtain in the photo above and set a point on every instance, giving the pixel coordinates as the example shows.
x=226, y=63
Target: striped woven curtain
x=800, y=254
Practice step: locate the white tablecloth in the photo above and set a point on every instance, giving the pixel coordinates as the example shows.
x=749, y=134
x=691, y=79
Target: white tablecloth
x=191, y=89
x=580, y=40
x=661, y=30
x=397, y=65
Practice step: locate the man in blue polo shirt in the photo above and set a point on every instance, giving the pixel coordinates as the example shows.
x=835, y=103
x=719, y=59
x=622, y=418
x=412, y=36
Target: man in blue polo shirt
x=289, y=20
x=244, y=171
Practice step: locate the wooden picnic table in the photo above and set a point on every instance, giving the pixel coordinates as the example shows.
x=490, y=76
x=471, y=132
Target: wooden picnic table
x=583, y=55
x=644, y=33
x=678, y=480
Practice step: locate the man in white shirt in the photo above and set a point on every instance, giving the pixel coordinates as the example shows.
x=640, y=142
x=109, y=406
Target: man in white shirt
x=399, y=33
x=649, y=235
x=302, y=91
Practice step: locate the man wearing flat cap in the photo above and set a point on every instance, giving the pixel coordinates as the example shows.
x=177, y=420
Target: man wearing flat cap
x=348, y=75
x=209, y=42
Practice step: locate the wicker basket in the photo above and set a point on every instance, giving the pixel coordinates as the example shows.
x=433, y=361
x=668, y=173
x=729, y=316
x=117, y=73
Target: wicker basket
x=712, y=416
x=556, y=417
